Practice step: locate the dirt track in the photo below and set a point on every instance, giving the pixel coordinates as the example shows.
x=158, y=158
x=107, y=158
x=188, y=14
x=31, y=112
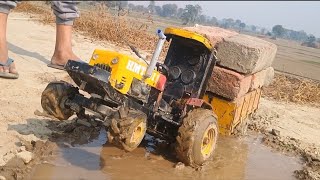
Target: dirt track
x=20, y=98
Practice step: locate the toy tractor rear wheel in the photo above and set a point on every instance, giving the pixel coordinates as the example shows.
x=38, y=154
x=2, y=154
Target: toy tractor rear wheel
x=53, y=98
x=197, y=137
x=127, y=133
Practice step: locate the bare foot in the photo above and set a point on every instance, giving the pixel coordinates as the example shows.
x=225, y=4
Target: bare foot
x=61, y=58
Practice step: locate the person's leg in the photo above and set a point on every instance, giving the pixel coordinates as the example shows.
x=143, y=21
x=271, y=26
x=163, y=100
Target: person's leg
x=63, y=48
x=66, y=12
x=5, y=7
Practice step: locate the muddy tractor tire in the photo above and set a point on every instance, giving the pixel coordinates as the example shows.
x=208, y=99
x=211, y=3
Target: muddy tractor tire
x=197, y=137
x=127, y=133
x=53, y=98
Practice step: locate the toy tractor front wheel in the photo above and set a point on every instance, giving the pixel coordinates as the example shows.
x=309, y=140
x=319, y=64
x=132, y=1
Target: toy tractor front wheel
x=197, y=137
x=127, y=133
x=53, y=98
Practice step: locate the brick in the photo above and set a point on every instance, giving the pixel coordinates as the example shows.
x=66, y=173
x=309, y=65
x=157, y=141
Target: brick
x=269, y=76
x=245, y=54
x=262, y=78
x=228, y=84
x=213, y=34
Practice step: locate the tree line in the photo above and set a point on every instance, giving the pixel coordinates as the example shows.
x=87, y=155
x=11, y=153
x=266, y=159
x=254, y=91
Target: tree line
x=192, y=14
x=281, y=32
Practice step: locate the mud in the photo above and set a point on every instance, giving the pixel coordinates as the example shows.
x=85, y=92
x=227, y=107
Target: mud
x=282, y=141
x=68, y=132
x=16, y=168
x=75, y=151
x=310, y=154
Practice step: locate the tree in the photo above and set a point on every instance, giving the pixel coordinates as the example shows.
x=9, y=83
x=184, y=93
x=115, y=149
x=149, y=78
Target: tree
x=263, y=31
x=151, y=6
x=213, y=21
x=180, y=12
x=140, y=8
x=311, y=42
x=227, y=23
x=131, y=6
x=237, y=23
x=253, y=28
x=191, y=13
x=242, y=26
x=119, y=6
x=207, y=19
x=116, y=4
x=198, y=9
x=230, y=22
x=169, y=10
x=297, y=35
x=278, y=30
x=202, y=19
x=269, y=33
x=311, y=38
x=158, y=10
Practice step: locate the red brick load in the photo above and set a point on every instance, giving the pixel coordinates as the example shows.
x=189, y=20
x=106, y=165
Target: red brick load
x=232, y=85
x=228, y=84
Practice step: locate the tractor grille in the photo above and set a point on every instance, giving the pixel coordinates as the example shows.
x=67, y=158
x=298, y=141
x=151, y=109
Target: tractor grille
x=104, y=67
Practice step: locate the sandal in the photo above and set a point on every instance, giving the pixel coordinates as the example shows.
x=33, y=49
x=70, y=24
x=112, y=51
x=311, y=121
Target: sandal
x=8, y=75
x=56, y=66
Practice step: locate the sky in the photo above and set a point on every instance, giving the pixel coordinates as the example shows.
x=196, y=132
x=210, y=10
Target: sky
x=296, y=15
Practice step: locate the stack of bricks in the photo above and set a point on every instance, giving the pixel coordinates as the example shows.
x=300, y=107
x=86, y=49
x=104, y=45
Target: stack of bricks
x=244, y=62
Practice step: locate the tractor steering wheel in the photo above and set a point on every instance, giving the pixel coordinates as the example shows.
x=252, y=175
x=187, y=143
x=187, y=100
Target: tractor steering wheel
x=163, y=69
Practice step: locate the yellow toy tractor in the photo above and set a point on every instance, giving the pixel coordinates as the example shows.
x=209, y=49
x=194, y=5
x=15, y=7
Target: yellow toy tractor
x=132, y=97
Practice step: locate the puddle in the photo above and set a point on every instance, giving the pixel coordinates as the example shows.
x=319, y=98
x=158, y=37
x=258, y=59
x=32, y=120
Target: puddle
x=233, y=159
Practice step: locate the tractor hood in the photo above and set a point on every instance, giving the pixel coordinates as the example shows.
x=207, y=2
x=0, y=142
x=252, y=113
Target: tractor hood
x=188, y=34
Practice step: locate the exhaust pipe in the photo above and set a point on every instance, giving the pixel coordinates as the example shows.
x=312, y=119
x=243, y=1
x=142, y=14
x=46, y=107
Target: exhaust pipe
x=156, y=54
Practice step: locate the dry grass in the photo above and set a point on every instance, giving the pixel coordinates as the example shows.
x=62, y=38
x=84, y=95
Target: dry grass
x=102, y=26
x=45, y=16
x=294, y=89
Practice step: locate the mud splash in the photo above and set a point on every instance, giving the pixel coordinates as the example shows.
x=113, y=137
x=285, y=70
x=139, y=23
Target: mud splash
x=244, y=158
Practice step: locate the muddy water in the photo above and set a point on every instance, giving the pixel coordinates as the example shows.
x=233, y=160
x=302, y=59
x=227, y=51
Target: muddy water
x=234, y=159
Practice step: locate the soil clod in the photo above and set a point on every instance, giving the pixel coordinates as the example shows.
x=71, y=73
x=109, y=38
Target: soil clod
x=275, y=132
